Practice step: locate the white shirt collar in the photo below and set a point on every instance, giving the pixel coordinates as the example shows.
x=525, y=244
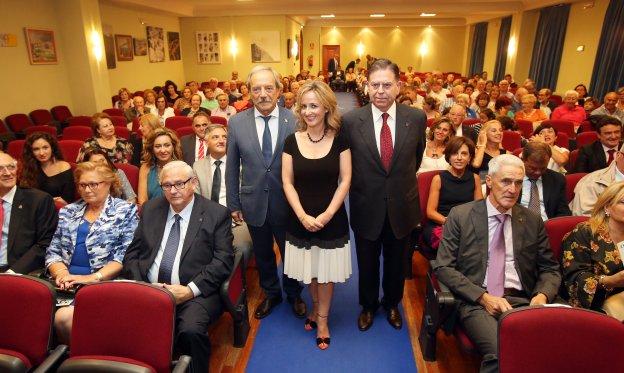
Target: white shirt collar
x=222, y=159
x=274, y=113
x=493, y=211
x=10, y=195
x=377, y=113
x=607, y=149
x=185, y=214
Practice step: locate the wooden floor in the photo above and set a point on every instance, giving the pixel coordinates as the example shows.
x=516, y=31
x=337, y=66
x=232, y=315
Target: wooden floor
x=226, y=358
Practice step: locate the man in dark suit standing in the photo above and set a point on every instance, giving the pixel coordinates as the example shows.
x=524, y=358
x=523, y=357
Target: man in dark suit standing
x=194, y=146
x=387, y=141
x=184, y=243
x=352, y=64
x=600, y=154
x=543, y=190
x=28, y=220
x=494, y=255
x=253, y=181
x=333, y=65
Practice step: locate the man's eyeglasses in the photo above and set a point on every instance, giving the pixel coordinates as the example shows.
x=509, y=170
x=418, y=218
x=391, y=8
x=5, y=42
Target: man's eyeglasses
x=8, y=167
x=178, y=186
x=92, y=186
x=386, y=85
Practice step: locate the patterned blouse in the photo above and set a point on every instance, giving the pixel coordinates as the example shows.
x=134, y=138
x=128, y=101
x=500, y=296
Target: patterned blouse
x=109, y=236
x=586, y=257
x=121, y=153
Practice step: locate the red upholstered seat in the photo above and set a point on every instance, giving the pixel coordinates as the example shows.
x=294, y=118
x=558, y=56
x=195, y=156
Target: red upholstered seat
x=511, y=140
x=525, y=127
x=563, y=140
x=559, y=339
x=3, y=127
x=70, y=149
x=114, y=112
x=132, y=173
x=562, y=126
x=18, y=122
x=122, y=132
x=470, y=122
x=586, y=126
x=113, y=363
x=178, y=122
x=61, y=113
x=571, y=181
x=13, y=361
x=15, y=148
x=218, y=120
x=183, y=131
x=43, y=128
x=77, y=133
x=40, y=117
x=430, y=122
x=424, y=184
x=585, y=138
x=572, y=160
x=558, y=227
x=119, y=120
x=558, y=100
x=81, y=120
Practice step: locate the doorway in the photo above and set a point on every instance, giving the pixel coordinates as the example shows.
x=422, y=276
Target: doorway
x=328, y=53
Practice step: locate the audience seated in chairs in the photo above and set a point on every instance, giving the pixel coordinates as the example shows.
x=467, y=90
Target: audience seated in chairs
x=224, y=109
x=136, y=110
x=125, y=100
x=544, y=103
x=559, y=156
x=433, y=157
x=31, y=219
x=457, y=114
x=452, y=187
x=210, y=102
x=194, y=278
x=162, y=111
x=486, y=289
x=244, y=101
x=569, y=110
x=610, y=107
x=91, y=238
x=171, y=92
x=289, y=100
x=529, y=111
x=162, y=146
x=430, y=107
x=195, y=107
x=184, y=101
x=502, y=107
x=117, y=149
x=489, y=145
x=194, y=147
x=149, y=95
x=147, y=124
x=600, y=154
x=45, y=169
x=592, y=268
x=99, y=157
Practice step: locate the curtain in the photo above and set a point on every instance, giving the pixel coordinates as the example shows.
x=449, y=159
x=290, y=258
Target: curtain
x=501, y=50
x=549, y=38
x=608, y=73
x=478, y=48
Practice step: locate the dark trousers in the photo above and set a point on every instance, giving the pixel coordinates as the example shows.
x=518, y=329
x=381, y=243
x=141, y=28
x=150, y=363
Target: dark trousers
x=368, y=253
x=192, y=320
x=262, y=239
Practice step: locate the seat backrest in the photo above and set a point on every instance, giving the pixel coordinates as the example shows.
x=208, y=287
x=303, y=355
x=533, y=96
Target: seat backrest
x=144, y=333
x=430, y=122
x=178, y=121
x=81, y=120
x=572, y=160
x=558, y=227
x=70, y=149
x=26, y=311
x=558, y=100
x=526, y=127
x=77, y=133
x=218, y=120
x=18, y=122
x=511, y=140
x=470, y=122
x=559, y=339
x=586, y=126
x=3, y=127
x=118, y=120
x=114, y=112
x=61, y=113
x=571, y=181
x=563, y=140
x=132, y=173
x=183, y=131
x=16, y=148
x=42, y=128
x=562, y=126
x=585, y=138
x=423, y=180
x=122, y=132
x=40, y=117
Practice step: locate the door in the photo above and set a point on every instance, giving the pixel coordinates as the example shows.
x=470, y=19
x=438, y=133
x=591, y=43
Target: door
x=328, y=53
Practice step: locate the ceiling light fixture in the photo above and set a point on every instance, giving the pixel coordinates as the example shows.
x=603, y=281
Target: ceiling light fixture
x=423, y=14
x=377, y=15
x=328, y=16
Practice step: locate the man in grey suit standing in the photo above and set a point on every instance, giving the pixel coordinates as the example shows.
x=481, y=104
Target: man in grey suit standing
x=256, y=139
x=494, y=255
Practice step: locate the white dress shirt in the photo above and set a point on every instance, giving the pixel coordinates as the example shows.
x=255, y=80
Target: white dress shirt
x=197, y=140
x=273, y=126
x=185, y=216
x=213, y=167
x=526, y=195
x=378, y=122
x=224, y=113
x=512, y=280
x=7, y=203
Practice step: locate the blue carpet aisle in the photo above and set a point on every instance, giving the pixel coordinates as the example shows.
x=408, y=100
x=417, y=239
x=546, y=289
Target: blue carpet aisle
x=283, y=344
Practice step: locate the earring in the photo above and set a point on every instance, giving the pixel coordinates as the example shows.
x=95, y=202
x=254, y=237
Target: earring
x=606, y=213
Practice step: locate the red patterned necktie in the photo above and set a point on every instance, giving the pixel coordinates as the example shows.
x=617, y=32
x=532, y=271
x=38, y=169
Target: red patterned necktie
x=201, y=152
x=385, y=142
x=611, y=156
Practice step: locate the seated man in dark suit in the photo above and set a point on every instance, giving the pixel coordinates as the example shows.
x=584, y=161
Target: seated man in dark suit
x=194, y=146
x=457, y=114
x=184, y=243
x=543, y=190
x=519, y=270
x=28, y=219
x=600, y=154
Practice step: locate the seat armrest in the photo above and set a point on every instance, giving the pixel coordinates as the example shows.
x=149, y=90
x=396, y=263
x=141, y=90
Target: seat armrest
x=53, y=360
x=225, y=287
x=182, y=365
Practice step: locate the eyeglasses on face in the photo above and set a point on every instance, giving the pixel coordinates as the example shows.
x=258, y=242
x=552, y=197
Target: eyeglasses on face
x=8, y=167
x=93, y=186
x=178, y=185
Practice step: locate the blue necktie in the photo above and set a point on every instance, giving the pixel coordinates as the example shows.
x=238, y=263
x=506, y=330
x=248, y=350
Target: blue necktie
x=267, y=152
x=171, y=248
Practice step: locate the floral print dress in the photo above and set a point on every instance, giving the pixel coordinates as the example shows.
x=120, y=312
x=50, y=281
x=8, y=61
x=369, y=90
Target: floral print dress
x=121, y=153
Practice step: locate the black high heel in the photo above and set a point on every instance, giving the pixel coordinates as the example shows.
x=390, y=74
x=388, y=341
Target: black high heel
x=310, y=325
x=322, y=340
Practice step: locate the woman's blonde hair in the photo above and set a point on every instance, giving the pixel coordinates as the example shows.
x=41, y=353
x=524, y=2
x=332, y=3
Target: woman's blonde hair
x=150, y=120
x=599, y=218
x=327, y=99
x=104, y=171
x=148, y=150
x=489, y=124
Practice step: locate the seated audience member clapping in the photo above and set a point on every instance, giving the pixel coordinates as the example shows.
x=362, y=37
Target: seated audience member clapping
x=592, y=268
x=195, y=107
x=162, y=147
x=98, y=156
x=529, y=111
x=36, y=218
x=559, y=156
x=601, y=153
x=162, y=111
x=489, y=145
x=569, y=110
x=45, y=169
x=437, y=138
x=452, y=187
x=117, y=149
x=224, y=110
x=91, y=238
x=184, y=101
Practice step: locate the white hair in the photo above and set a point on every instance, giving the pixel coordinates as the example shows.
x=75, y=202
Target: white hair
x=504, y=160
x=571, y=92
x=176, y=165
x=259, y=68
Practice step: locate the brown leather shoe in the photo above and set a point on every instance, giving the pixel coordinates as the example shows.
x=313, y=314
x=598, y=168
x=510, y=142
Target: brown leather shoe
x=365, y=320
x=299, y=307
x=266, y=306
x=394, y=318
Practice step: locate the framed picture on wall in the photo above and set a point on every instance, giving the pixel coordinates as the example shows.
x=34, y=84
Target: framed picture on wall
x=265, y=46
x=208, y=45
x=123, y=47
x=41, y=46
x=140, y=47
x=173, y=39
x=155, y=44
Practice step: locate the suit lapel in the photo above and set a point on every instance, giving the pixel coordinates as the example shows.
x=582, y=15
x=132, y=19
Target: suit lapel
x=159, y=221
x=17, y=214
x=367, y=129
x=281, y=134
x=547, y=190
x=480, y=225
x=401, y=126
x=197, y=217
x=517, y=227
x=253, y=133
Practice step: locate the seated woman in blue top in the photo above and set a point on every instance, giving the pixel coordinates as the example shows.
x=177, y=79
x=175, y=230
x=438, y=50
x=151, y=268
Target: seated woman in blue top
x=91, y=237
x=162, y=146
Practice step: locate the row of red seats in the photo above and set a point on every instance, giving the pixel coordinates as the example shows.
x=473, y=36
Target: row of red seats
x=18, y=123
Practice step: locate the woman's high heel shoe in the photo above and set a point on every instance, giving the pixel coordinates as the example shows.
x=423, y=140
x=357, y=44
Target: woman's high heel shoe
x=320, y=341
x=310, y=324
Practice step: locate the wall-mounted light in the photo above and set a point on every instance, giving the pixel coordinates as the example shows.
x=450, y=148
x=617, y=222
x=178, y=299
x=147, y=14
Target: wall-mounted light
x=423, y=50
x=233, y=46
x=580, y=48
x=512, y=46
x=96, y=45
x=377, y=15
x=294, y=50
x=360, y=49
x=328, y=15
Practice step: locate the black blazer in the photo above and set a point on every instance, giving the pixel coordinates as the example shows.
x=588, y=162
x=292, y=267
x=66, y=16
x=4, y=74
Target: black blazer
x=592, y=157
x=32, y=225
x=554, y=189
x=207, y=255
x=374, y=192
x=187, y=143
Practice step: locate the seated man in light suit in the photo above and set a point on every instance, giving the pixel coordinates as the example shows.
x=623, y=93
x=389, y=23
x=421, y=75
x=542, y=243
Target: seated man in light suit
x=184, y=243
x=194, y=146
x=210, y=172
x=494, y=255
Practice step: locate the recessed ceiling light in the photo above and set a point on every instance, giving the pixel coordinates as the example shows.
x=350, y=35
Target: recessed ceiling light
x=423, y=14
x=377, y=15
x=327, y=16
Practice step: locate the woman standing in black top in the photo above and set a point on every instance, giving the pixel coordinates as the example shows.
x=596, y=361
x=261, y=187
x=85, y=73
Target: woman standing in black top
x=316, y=174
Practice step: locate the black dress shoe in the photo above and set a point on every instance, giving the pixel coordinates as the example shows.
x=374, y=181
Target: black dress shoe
x=266, y=306
x=394, y=318
x=365, y=320
x=299, y=307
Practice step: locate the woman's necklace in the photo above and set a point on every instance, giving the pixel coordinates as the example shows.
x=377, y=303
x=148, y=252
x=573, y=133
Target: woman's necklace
x=319, y=140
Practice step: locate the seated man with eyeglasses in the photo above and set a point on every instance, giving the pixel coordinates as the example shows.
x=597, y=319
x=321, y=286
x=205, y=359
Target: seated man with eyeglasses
x=28, y=220
x=184, y=244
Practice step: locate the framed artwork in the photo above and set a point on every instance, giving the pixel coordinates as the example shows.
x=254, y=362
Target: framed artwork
x=208, y=45
x=155, y=44
x=173, y=40
x=265, y=46
x=41, y=46
x=109, y=49
x=140, y=47
x=123, y=47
